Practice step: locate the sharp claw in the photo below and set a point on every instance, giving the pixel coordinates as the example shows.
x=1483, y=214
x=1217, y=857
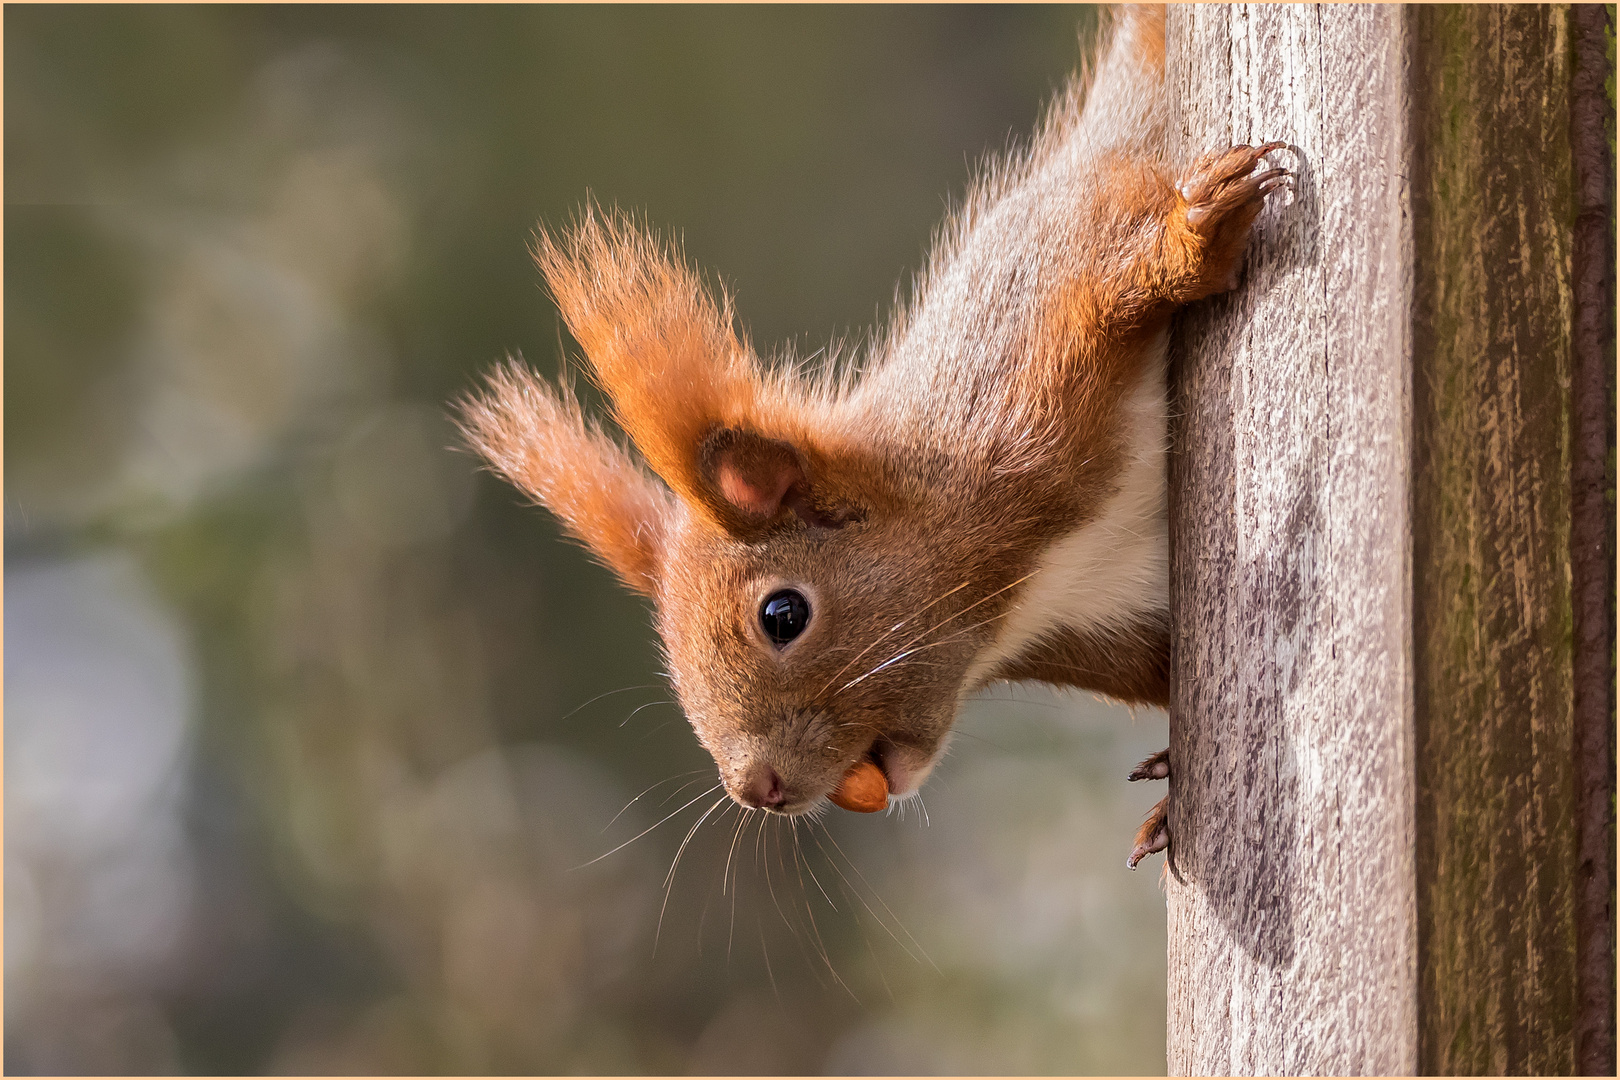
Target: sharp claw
x=1223, y=195
x=1155, y=767
x=1154, y=835
x=1160, y=841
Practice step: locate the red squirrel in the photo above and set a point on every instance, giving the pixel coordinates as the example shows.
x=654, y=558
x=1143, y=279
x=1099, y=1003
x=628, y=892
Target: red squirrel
x=838, y=560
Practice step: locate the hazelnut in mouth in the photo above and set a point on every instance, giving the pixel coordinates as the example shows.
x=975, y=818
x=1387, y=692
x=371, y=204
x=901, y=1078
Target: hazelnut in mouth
x=864, y=789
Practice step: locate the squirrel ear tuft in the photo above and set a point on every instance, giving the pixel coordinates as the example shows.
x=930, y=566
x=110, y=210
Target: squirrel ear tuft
x=657, y=344
x=535, y=436
x=687, y=391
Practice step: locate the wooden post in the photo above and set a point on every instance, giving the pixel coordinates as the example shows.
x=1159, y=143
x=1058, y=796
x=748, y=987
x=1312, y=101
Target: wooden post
x=1375, y=789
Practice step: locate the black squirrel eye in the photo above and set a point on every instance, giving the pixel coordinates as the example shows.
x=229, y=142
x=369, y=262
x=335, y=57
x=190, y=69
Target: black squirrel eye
x=784, y=616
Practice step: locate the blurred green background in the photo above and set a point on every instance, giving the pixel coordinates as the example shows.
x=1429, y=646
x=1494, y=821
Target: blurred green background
x=309, y=722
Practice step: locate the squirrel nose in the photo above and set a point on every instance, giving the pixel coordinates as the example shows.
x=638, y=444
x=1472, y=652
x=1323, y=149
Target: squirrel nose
x=763, y=788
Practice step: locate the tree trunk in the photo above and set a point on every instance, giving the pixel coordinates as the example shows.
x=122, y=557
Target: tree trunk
x=1373, y=729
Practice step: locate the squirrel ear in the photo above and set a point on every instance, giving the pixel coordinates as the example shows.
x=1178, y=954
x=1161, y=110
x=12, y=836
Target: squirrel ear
x=686, y=390
x=752, y=474
x=753, y=479
x=536, y=437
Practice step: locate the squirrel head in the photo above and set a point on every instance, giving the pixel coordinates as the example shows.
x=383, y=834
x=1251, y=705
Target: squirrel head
x=813, y=610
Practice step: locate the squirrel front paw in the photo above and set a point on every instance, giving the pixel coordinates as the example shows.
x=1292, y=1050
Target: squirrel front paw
x=1220, y=199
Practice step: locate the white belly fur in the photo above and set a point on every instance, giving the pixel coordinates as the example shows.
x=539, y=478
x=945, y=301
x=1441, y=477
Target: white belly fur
x=1114, y=570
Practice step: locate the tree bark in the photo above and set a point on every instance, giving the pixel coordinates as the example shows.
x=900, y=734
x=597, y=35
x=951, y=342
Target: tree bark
x=1375, y=788
x=1292, y=927
x=1492, y=209
x=1592, y=534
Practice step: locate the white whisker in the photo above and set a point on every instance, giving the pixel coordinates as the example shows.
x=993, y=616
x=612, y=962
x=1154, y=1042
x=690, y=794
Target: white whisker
x=939, y=624
x=875, y=916
x=879, y=639
x=956, y=636
x=599, y=697
x=875, y=895
x=647, y=830
x=669, y=879
x=660, y=783
x=638, y=708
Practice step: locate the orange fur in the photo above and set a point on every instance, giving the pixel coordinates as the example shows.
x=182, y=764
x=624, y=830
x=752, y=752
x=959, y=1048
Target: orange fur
x=537, y=438
x=659, y=346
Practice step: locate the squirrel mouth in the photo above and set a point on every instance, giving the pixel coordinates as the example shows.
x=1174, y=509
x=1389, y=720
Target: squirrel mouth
x=905, y=767
x=878, y=754
x=887, y=770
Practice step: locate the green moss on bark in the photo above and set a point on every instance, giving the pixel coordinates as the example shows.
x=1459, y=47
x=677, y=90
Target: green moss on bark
x=1493, y=626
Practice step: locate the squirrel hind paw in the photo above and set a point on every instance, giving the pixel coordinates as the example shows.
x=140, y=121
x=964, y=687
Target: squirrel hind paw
x=1154, y=767
x=1154, y=835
